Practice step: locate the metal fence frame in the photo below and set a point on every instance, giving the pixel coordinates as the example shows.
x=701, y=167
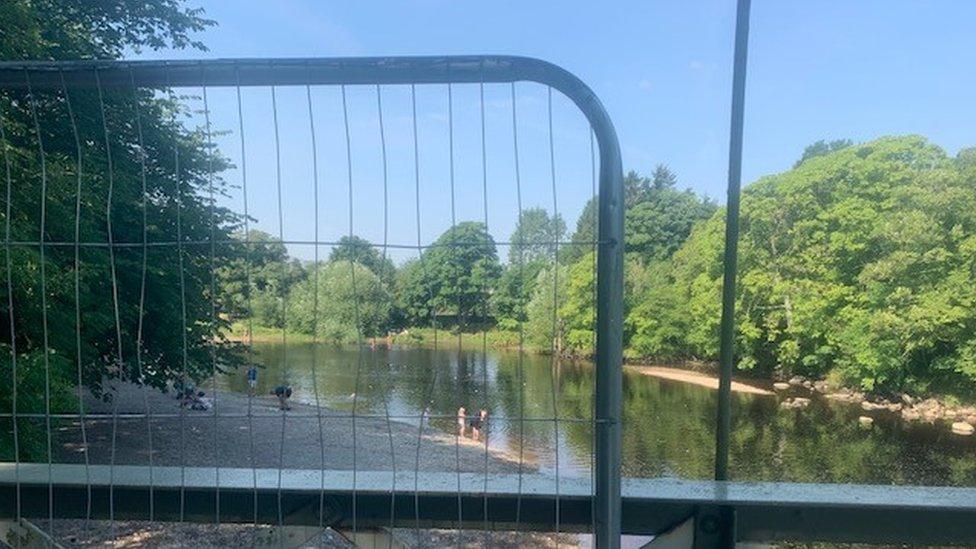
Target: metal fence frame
x=421, y=70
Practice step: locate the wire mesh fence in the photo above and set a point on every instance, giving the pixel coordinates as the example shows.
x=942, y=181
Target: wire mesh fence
x=221, y=271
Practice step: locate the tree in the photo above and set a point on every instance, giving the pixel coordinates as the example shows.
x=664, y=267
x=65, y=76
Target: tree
x=545, y=329
x=658, y=217
x=536, y=236
x=352, y=303
x=534, y=245
x=585, y=235
x=152, y=325
x=513, y=292
x=455, y=277
x=359, y=250
x=821, y=148
x=857, y=263
x=657, y=226
x=272, y=273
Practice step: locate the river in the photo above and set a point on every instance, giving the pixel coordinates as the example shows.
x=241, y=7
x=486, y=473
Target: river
x=668, y=429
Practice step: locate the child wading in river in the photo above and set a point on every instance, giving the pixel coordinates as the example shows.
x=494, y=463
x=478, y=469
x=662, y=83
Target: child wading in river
x=283, y=392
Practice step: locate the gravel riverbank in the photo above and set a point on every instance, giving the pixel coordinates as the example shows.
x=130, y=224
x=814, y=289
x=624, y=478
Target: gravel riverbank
x=242, y=432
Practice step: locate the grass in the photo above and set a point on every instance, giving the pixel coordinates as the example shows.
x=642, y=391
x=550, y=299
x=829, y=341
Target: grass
x=447, y=338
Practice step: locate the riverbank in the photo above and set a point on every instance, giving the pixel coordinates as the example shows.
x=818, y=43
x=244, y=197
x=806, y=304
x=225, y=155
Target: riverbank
x=697, y=378
x=238, y=431
x=960, y=418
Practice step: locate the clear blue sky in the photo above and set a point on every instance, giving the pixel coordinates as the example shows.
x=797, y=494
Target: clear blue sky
x=817, y=70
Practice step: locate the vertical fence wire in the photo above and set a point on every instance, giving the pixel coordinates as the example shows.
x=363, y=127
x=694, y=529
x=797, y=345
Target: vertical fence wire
x=460, y=317
x=42, y=267
x=120, y=362
x=485, y=400
x=77, y=289
x=11, y=320
x=214, y=321
x=315, y=304
x=433, y=320
x=356, y=317
x=184, y=351
x=282, y=303
x=519, y=243
x=142, y=289
x=386, y=235
x=249, y=305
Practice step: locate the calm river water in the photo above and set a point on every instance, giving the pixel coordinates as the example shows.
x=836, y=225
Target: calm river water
x=669, y=426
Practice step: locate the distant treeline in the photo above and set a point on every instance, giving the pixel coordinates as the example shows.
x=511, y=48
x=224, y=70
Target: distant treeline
x=859, y=263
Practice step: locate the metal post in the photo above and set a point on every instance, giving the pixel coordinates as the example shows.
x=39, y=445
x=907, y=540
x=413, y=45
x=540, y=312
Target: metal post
x=727, y=330
x=609, y=345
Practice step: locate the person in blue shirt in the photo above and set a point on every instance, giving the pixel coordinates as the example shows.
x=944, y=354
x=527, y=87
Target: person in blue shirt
x=252, y=380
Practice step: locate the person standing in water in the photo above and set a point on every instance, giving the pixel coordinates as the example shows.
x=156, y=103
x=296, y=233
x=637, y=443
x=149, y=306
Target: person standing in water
x=252, y=380
x=479, y=424
x=462, y=421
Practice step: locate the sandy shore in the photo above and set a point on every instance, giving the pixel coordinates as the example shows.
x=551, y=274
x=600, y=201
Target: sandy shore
x=243, y=432
x=697, y=378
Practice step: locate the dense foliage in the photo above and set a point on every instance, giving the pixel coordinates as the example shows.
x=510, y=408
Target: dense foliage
x=81, y=166
x=340, y=302
x=858, y=263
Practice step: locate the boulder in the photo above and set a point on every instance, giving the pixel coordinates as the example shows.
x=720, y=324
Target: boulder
x=865, y=421
x=846, y=395
x=781, y=386
x=797, y=380
x=962, y=428
x=871, y=406
x=795, y=402
x=910, y=414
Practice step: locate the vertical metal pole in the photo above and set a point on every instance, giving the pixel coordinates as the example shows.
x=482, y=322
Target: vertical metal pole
x=609, y=342
x=727, y=330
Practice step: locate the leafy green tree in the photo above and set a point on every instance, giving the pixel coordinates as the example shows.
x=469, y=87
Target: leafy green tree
x=658, y=217
x=514, y=290
x=654, y=228
x=585, y=234
x=857, y=263
x=359, y=250
x=272, y=273
x=535, y=236
x=155, y=324
x=352, y=303
x=821, y=148
x=455, y=278
x=545, y=328
x=533, y=247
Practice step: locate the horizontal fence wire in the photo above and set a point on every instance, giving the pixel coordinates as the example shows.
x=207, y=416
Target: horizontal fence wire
x=127, y=191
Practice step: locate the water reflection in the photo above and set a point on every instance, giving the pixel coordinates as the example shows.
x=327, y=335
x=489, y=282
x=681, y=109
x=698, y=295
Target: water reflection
x=668, y=425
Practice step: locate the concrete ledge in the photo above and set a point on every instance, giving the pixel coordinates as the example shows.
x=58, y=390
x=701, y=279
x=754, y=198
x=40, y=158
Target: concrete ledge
x=764, y=511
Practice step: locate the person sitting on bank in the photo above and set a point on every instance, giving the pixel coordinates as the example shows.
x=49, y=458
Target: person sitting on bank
x=478, y=424
x=283, y=392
